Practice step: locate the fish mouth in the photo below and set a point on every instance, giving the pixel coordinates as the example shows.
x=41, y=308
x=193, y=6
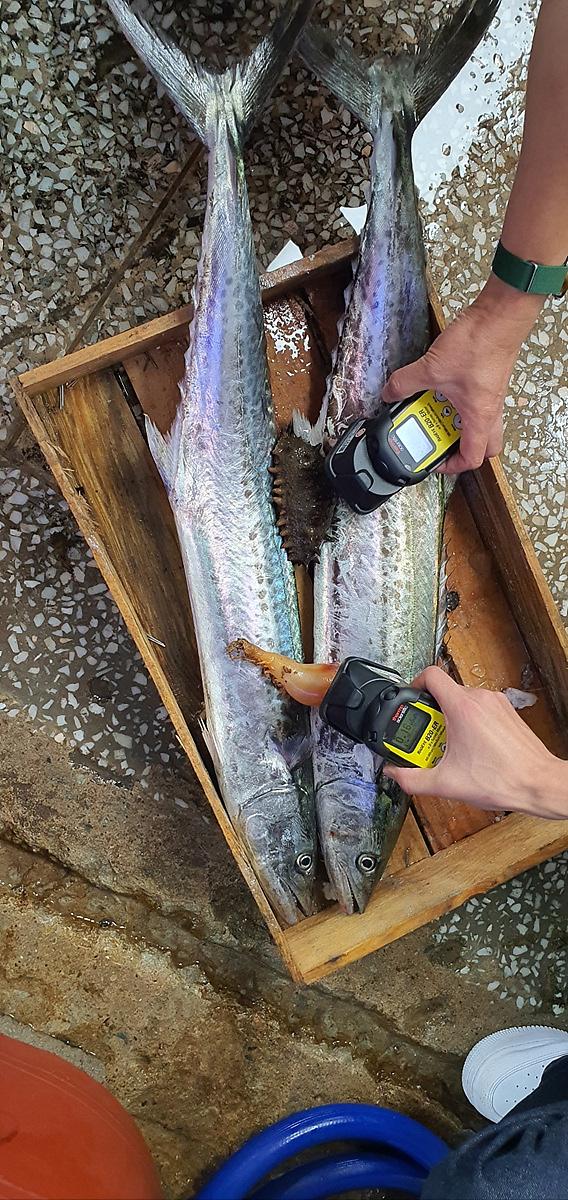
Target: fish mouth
x=306, y=901
x=342, y=889
x=351, y=900
x=290, y=903
x=291, y=897
x=348, y=900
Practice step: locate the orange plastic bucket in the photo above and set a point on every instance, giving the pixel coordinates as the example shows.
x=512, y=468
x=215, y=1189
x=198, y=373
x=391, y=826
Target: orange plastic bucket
x=63, y=1136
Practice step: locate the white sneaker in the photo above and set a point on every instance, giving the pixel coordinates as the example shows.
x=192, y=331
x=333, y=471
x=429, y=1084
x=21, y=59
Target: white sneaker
x=508, y=1065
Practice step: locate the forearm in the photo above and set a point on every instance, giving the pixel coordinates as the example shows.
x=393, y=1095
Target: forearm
x=472, y=360
x=536, y=222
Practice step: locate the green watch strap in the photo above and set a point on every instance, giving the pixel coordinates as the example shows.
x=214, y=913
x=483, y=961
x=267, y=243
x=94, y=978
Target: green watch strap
x=530, y=277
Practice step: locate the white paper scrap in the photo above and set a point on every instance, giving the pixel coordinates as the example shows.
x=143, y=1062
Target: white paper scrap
x=289, y=253
x=355, y=216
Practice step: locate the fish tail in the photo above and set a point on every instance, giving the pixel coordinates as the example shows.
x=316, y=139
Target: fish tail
x=262, y=70
x=437, y=66
x=346, y=75
x=192, y=88
x=362, y=86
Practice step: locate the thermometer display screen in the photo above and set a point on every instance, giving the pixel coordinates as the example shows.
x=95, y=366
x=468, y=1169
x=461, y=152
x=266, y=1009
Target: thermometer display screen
x=406, y=735
x=415, y=440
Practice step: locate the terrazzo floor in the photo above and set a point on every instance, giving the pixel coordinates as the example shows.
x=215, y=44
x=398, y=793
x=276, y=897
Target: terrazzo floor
x=90, y=151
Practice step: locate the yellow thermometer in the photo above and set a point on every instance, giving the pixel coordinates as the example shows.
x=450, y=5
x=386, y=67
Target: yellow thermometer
x=370, y=704
x=373, y=459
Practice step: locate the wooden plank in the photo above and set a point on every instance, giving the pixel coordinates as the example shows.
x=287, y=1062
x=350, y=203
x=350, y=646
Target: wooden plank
x=326, y=297
x=497, y=517
x=155, y=377
x=486, y=650
x=442, y=821
x=106, y=473
x=410, y=847
x=426, y=890
x=483, y=640
x=144, y=337
x=297, y=367
x=503, y=532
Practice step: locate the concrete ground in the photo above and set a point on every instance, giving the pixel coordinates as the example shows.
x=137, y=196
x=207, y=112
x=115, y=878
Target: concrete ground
x=126, y=933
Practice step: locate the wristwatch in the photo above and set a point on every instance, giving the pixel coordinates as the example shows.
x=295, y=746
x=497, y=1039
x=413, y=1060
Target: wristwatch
x=526, y=276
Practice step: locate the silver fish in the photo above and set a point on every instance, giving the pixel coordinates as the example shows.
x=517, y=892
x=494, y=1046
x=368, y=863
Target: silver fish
x=378, y=577
x=214, y=464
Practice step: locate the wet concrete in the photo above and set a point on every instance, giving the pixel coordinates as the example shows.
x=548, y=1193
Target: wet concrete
x=125, y=931
x=203, y=1041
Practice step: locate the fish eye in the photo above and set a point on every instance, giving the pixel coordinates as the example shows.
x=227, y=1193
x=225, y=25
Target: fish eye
x=304, y=863
x=367, y=863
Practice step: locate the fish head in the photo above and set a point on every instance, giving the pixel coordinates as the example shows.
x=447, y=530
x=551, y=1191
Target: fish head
x=353, y=858
x=359, y=824
x=283, y=846
x=280, y=826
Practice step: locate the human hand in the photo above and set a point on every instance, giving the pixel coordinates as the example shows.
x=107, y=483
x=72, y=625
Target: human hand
x=471, y=364
x=493, y=760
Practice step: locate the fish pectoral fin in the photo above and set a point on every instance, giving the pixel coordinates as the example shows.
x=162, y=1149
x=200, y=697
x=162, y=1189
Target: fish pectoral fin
x=295, y=749
x=439, y=63
x=212, y=746
x=164, y=449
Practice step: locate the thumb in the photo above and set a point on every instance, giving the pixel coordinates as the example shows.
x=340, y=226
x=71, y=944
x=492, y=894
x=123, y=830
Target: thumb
x=415, y=781
x=407, y=380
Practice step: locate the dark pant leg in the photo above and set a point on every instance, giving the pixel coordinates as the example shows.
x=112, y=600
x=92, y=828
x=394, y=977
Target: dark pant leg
x=552, y=1089
x=523, y=1157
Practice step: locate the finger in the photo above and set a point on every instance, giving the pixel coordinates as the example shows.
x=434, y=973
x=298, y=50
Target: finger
x=472, y=452
x=407, y=380
x=446, y=468
x=495, y=439
x=441, y=686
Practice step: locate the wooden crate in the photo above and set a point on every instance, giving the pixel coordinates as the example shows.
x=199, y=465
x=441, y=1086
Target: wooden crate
x=505, y=630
